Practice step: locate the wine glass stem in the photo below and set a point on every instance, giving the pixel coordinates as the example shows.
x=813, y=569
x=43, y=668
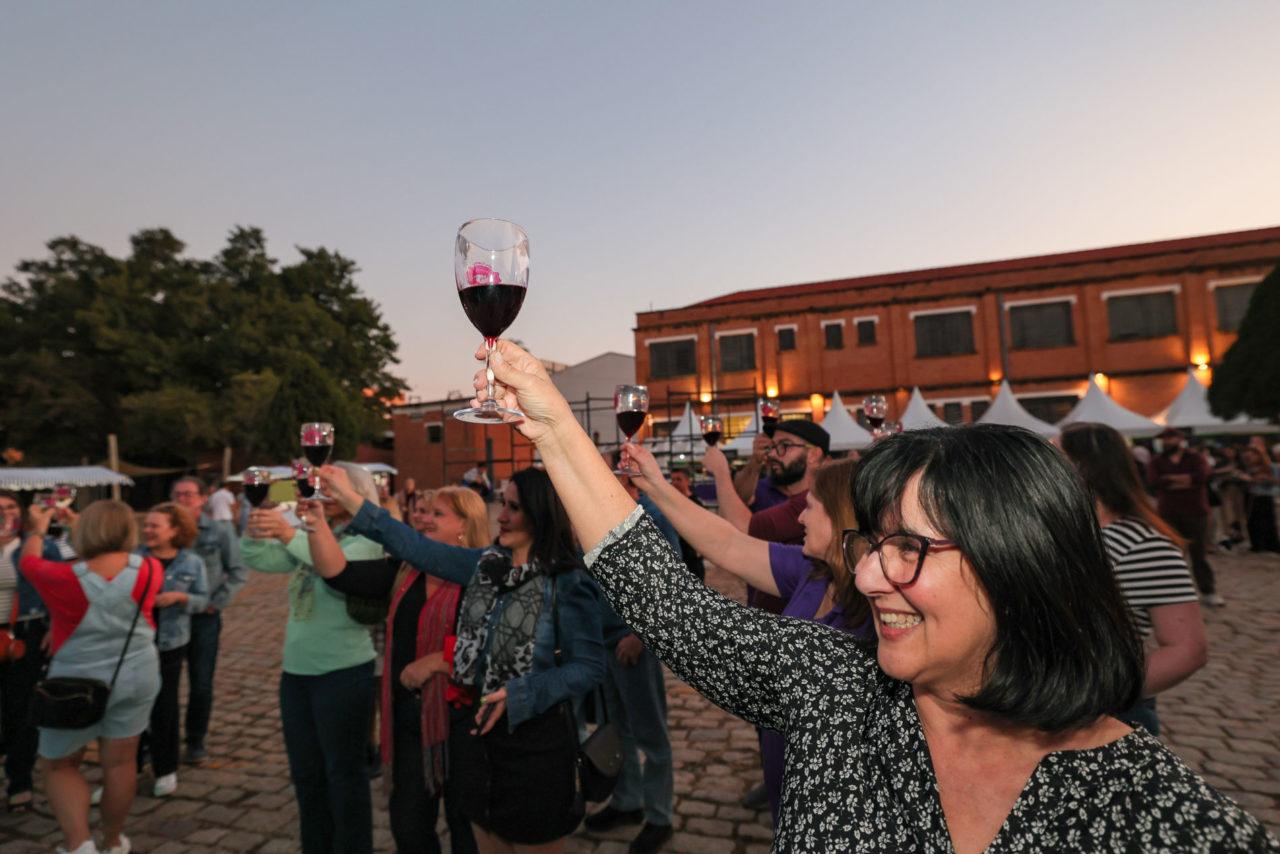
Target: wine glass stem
x=488, y=370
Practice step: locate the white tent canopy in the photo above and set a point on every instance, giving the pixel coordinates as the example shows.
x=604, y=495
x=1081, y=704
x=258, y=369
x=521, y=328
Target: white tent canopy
x=918, y=415
x=743, y=441
x=1190, y=411
x=686, y=437
x=1005, y=409
x=286, y=472
x=846, y=434
x=19, y=479
x=1096, y=407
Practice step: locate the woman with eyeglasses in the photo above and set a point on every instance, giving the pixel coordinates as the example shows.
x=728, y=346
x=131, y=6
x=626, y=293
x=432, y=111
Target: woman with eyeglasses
x=984, y=719
x=812, y=579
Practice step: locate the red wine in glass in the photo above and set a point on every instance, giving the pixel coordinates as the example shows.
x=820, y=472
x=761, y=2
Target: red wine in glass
x=876, y=409
x=317, y=455
x=631, y=406
x=630, y=422
x=491, y=272
x=256, y=493
x=305, y=489
x=769, y=413
x=712, y=430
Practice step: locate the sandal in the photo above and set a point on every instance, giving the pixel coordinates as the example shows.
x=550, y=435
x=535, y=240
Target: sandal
x=22, y=802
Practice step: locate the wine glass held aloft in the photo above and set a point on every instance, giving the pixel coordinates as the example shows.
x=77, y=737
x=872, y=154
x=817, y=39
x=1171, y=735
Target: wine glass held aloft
x=491, y=271
x=257, y=483
x=631, y=406
x=769, y=413
x=304, y=478
x=712, y=429
x=317, y=447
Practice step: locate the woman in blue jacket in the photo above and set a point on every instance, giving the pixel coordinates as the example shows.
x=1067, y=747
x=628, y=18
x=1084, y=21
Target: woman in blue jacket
x=528, y=641
x=167, y=532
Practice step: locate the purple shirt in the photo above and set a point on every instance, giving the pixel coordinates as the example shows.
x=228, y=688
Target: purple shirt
x=793, y=573
x=767, y=495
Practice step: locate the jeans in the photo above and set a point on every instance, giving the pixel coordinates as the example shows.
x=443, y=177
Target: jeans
x=413, y=811
x=1194, y=530
x=164, y=738
x=17, y=681
x=202, y=658
x=326, y=733
x=636, y=698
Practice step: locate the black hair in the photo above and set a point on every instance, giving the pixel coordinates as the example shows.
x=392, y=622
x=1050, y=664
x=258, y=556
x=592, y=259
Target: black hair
x=1065, y=650
x=553, y=541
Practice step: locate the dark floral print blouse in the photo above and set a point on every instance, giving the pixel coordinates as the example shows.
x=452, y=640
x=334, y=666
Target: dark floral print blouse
x=858, y=774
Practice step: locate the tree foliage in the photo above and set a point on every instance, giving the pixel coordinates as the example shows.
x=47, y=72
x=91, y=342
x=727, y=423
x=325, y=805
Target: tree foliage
x=181, y=355
x=1248, y=380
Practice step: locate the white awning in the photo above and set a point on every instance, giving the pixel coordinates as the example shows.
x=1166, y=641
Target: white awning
x=1190, y=411
x=286, y=472
x=47, y=478
x=743, y=441
x=918, y=415
x=846, y=434
x=1097, y=408
x=1005, y=409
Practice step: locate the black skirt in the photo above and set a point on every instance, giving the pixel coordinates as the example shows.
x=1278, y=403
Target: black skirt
x=521, y=786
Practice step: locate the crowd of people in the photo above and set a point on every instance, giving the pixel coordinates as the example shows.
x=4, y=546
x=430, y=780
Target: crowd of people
x=956, y=606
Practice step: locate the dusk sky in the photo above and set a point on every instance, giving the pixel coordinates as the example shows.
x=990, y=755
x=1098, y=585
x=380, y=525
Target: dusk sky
x=657, y=153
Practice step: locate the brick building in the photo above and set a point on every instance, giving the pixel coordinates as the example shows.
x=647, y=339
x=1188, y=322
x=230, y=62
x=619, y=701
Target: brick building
x=1139, y=315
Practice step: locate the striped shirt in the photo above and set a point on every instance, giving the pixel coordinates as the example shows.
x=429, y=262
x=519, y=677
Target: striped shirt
x=1150, y=569
x=8, y=578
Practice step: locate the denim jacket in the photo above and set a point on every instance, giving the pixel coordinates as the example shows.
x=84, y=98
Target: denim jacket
x=218, y=545
x=577, y=597
x=186, y=575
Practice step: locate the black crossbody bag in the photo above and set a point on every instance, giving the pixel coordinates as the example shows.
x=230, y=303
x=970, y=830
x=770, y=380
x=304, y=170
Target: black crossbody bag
x=600, y=756
x=75, y=702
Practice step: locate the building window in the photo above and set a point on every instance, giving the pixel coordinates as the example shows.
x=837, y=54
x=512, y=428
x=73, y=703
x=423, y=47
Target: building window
x=738, y=352
x=949, y=334
x=952, y=413
x=673, y=359
x=866, y=333
x=833, y=336
x=1051, y=409
x=786, y=338
x=1034, y=327
x=1232, y=302
x=1138, y=316
x=977, y=409
x=435, y=433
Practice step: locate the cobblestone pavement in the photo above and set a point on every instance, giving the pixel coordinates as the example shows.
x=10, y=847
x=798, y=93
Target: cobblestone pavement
x=1222, y=721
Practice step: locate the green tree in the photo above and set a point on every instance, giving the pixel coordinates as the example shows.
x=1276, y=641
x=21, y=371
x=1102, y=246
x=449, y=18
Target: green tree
x=1248, y=380
x=182, y=356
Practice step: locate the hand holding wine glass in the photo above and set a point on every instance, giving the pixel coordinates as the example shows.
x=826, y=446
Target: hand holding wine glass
x=645, y=472
x=769, y=414
x=631, y=406
x=257, y=483
x=715, y=463
x=337, y=484
x=712, y=429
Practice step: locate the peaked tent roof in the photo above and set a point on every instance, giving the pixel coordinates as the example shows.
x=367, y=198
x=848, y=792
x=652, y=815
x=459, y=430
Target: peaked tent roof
x=918, y=415
x=846, y=434
x=1098, y=408
x=1190, y=411
x=686, y=437
x=1005, y=409
x=19, y=479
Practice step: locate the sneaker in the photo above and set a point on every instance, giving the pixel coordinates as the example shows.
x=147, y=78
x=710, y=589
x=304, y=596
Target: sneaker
x=757, y=798
x=609, y=818
x=1213, y=600
x=195, y=755
x=86, y=847
x=121, y=847
x=165, y=786
x=651, y=838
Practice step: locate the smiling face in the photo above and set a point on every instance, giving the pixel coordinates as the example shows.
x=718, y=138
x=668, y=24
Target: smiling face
x=10, y=517
x=158, y=531
x=444, y=525
x=187, y=494
x=936, y=632
x=421, y=517
x=817, y=528
x=514, y=532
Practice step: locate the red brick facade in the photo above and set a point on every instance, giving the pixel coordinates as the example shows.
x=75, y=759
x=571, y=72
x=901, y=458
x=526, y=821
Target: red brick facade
x=1143, y=363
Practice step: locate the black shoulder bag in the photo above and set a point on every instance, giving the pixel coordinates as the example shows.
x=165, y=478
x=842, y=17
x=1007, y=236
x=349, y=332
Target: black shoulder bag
x=600, y=756
x=74, y=702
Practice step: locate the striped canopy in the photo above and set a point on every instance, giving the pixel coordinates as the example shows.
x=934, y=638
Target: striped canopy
x=47, y=478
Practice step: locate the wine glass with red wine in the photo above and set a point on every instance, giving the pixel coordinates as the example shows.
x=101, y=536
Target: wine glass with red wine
x=257, y=483
x=769, y=412
x=62, y=498
x=876, y=409
x=317, y=445
x=631, y=405
x=491, y=270
x=302, y=478
x=712, y=429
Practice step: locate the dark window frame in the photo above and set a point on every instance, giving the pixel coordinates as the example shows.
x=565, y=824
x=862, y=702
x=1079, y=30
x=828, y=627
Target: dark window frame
x=1220, y=315
x=791, y=332
x=666, y=368
x=1137, y=311
x=865, y=323
x=435, y=433
x=1025, y=312
x=936, y=349
x=827, y=343
x=749, y=353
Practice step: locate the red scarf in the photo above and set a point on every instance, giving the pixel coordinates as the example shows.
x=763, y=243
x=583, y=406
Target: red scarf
x=435, y=623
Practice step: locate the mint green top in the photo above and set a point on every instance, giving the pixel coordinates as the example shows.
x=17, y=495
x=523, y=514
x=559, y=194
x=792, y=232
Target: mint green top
x=319, y=637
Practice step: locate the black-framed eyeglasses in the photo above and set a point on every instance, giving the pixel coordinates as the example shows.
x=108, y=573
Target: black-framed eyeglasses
x=781, y=447
x=901, y=555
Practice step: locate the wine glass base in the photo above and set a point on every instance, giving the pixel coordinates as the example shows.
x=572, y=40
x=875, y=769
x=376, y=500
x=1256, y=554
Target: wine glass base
x=488, y=415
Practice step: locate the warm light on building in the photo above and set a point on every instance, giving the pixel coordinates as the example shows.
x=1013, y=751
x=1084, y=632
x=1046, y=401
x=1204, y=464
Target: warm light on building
x=818, y=404
x=771, y=391
x=705, y=397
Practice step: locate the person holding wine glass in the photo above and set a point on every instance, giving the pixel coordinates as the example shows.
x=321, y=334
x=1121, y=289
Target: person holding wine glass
x=528, y=642
x=712, y=430
x=631, y=407
x=966, y=728
x=168, y=531
x=327, y=687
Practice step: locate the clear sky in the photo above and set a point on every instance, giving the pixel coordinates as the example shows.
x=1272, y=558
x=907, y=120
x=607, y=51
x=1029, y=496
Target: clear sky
x=657, y=152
